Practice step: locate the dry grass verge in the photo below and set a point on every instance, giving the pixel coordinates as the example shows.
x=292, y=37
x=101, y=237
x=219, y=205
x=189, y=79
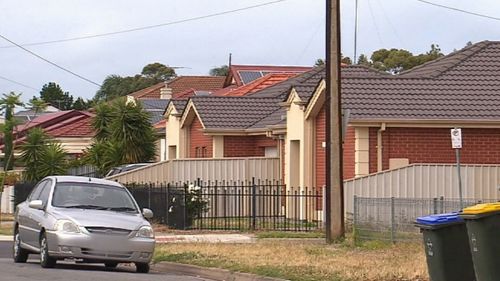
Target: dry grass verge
x=5, y=230
x=297, y=260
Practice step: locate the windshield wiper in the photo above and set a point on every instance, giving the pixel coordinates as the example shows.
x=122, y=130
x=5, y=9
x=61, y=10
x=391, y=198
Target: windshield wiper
x=93, y=207
x=122, y=209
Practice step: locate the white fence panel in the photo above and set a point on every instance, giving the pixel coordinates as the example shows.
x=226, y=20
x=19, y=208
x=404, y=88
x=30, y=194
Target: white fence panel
x=7, y=200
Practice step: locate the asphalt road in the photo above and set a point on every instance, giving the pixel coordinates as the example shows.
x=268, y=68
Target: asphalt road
x=75, y=272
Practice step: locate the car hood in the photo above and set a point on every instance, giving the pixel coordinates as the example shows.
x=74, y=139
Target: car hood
x=99, y=218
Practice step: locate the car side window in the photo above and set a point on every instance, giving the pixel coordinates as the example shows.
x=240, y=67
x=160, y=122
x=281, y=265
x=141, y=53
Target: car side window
x=44, y=194
x=36, y=191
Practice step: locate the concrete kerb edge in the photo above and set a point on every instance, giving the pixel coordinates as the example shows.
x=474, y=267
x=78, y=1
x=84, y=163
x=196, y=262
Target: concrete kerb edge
x=209, y=273
x=6, y=238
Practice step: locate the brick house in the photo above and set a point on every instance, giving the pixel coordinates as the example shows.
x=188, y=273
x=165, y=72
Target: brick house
x=394, y=120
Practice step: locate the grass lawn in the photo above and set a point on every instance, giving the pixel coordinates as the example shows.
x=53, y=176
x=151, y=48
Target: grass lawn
x=297, y=260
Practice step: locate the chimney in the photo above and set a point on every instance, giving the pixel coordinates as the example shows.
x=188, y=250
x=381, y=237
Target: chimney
x=165, y=93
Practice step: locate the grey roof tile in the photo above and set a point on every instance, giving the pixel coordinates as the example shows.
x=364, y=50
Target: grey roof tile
x=233, y=112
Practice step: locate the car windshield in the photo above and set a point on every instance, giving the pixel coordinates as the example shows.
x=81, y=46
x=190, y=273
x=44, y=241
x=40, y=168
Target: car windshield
x=92, y=196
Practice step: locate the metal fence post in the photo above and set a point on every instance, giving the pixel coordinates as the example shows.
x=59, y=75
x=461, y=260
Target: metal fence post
x=355, y=219
x=393, y=222
x=434, y=206
x=254, y=203
x=441, y=199
x=149, y=196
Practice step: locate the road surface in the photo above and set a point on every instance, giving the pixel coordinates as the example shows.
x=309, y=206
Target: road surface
x=75, y=272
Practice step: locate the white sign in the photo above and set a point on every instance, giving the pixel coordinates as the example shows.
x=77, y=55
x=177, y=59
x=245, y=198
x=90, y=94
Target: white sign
x=456, y=138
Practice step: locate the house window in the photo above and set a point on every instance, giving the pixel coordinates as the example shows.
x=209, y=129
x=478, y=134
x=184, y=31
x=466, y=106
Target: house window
x=197, y=152
x=204, y=153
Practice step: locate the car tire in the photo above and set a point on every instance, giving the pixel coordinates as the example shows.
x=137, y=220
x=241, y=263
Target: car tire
x=20, y=255
x=45, y=260
x=111, y=264
x=142, y=267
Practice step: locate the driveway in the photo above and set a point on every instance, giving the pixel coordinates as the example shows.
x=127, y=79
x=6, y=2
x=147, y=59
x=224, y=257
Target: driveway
x=76, y=272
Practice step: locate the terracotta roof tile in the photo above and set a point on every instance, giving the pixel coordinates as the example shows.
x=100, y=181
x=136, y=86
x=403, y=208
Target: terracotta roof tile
x=199, y=83
x=151, y=92
x=244, y=74
x=257, y=85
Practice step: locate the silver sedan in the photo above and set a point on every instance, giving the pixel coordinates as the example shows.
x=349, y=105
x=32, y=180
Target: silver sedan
x=87, y=219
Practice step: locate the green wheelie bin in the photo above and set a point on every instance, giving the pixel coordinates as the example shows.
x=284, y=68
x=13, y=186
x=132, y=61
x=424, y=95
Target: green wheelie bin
x=446, y=247
x=483, y=228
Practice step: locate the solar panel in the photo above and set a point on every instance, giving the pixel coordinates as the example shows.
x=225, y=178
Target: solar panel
x=249, y=76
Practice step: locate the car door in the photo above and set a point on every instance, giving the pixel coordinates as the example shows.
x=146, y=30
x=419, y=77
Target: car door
x=35, y=216
x=24, y=214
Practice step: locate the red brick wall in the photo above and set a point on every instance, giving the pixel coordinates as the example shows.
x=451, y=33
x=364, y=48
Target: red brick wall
x=247, y=146
x=433, y=145
x=197, y=140
x=320, y=137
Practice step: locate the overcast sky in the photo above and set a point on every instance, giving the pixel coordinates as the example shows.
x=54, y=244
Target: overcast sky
x=286, y=33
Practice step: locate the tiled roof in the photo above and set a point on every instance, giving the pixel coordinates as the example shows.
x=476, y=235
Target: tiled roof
x=257, y=85
x=439, y=66
x=244, y=74
x=154, y=104
x=233, y=112
x=152, y=92
x=79, y=126
x=179, y=105
x=200, y=83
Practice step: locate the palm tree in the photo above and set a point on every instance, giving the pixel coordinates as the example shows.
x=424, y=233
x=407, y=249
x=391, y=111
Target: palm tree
x=52, y=161
x=7, y=104
x=132, y=130
x=32, y=151
x=101, y=121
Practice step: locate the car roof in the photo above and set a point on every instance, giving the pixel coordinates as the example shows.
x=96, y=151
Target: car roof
x=83, y=180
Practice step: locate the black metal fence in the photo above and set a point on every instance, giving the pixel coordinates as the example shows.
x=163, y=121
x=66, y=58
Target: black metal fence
x=254, y=205
x=232, y=206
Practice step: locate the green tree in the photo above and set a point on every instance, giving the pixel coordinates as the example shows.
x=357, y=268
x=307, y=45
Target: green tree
x=7, y=105
x=32, y=151
x=319, y=62
x=53, y=161
x=52, y=94
x=397, y=60
x=102, y=120
x=222, y=70
x=131, y=129
x=124, y=135
x=158, y=72
x=81, y=104
x=346, y=60
x=363, y=60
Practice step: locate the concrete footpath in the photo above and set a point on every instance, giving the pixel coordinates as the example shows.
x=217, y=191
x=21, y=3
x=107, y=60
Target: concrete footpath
x=190, y=238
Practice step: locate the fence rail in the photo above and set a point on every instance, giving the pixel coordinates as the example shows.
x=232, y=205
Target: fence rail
x=392, y=219
x=250, y=205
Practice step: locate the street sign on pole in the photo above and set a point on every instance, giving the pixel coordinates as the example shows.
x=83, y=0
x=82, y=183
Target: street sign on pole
x=456, y=143
x=456, y=138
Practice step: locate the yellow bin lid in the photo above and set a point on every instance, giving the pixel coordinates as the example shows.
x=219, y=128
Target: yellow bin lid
x=482, y=209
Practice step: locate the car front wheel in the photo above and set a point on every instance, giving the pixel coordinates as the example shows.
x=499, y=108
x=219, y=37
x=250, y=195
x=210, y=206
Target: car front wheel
x=19, y=254
x=142, y=267
x=45, y=260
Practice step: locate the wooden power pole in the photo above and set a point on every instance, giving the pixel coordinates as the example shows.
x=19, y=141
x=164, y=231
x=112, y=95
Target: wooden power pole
x=334, y=183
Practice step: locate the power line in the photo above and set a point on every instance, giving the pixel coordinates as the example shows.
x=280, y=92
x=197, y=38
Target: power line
x=375, y=23
x=380, y=4
x=48, y=61
x=148, y=26
x=18, y=83
x=459, y=10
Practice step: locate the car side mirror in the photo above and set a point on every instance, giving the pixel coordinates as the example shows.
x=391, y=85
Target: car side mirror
x=36, y=204
x=147, y=213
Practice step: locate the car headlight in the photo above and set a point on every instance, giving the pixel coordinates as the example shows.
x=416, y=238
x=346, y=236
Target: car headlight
x=66, y=226
x=145, y=232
